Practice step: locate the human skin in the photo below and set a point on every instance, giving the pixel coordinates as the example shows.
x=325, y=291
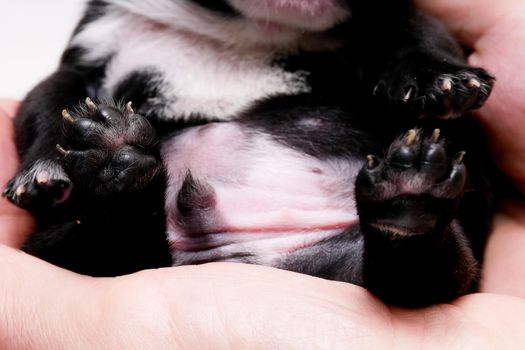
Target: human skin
x=495, y=31
x=225, y=306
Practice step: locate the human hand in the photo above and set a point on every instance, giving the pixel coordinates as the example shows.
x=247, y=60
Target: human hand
x=495, y=31
x=232, y=306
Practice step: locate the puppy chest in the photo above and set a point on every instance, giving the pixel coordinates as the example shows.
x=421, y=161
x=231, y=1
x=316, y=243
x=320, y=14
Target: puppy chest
x=193, y=76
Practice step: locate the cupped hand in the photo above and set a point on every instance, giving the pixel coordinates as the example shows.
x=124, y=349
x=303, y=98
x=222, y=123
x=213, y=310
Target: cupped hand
x=232, y=306
x=495, y=31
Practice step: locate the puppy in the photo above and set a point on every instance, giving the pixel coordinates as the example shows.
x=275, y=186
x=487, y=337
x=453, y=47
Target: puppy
x=327, y=137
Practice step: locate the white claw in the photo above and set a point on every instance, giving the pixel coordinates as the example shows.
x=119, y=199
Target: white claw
x=459, y=157
x=446, y=85
x=378, y=88
x=473, y=83
x=408, y=95
x=61, y=150
x=20, y=190
x=91, y=105
x=435, y=135
x=67, y=116
x=42, y=178
x=411, y=137
x=371, y=161
x=129, y=107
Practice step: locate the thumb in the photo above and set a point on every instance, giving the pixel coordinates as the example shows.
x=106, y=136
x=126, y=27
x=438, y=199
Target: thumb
x=8, y=106
x=469, y=20
x=15, y=223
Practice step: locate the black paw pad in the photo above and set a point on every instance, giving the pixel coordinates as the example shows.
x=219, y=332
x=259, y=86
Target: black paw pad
x=44, y=184
x=442, y=92
x=413, y=186
x=110, y=147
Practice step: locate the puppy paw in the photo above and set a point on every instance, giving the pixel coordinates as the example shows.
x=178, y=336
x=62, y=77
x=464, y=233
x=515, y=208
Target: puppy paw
x=414, y=190
x=44, y=184
x=110, y=148
x=440, y=91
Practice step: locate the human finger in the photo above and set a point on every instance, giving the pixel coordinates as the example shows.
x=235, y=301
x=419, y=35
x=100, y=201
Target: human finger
x=9, y=106
x=245, y=306
x=504, y=265
x=469, y=20
x=15, y=223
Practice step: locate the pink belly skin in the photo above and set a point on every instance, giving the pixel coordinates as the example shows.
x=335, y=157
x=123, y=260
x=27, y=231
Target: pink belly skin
x=269, y=199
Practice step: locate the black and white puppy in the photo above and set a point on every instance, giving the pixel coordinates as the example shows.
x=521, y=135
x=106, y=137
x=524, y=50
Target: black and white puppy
x=300, y=134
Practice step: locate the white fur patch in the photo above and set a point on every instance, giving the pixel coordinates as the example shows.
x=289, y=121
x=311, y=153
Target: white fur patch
x=200, y=76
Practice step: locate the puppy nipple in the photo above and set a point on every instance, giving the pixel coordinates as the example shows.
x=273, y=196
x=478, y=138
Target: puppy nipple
x=195, y=203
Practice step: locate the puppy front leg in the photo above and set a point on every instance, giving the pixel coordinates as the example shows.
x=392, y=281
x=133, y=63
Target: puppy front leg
x=111, y=149
x=420, y=70
x=114, y=222
x=41, y=181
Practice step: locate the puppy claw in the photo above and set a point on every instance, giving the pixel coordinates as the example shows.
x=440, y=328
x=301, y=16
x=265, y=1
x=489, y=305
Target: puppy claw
x=67, y=117
x=473, y=83
x=92, y=107
x=435, y=135
x=446, y=85
x=372, y=161
x=20, y=190
x=409, y=94
x=61, y=150
x=458, y=159
x=129, y=107
x=42, y=178
x=411, y=137
x=379, y=88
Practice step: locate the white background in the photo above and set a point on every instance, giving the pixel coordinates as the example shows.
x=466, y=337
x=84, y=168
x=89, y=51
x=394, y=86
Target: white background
x=33, y=34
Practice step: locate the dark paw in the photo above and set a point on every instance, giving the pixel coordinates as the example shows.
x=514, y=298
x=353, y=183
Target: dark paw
x=43, y=185
x=110, y=148
x=442, y=92
x=415, y=189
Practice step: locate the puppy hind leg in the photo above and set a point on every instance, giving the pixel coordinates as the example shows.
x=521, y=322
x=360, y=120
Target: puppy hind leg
x=415, y=252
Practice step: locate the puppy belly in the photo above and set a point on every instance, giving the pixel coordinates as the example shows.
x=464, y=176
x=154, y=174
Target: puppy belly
x=235, y=194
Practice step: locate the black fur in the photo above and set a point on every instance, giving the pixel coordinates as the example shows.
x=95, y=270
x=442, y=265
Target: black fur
x=386, y=78
x=219, y=6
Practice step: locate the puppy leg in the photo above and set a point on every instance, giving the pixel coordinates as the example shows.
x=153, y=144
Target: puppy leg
x=41, y=181
x=415, y=251
x=112, y=224
x=420, y=70
x=109, y=149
